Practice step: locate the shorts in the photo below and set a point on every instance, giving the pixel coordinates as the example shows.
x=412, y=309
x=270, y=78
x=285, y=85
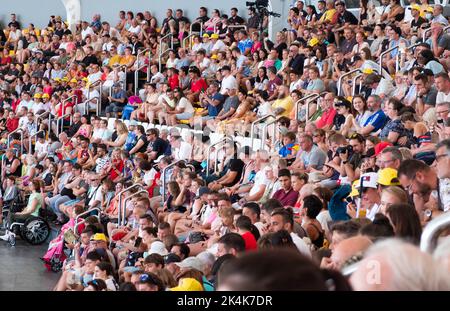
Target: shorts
x=184, y=115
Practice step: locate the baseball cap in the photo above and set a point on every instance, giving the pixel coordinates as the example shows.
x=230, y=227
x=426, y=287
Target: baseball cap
x=171, y=258
x=313, y=42
x=45, y=95
x=205, y=35
x=73, y=81
x=369, y=180
x=133, y=123
x=415, y=7
x=214, y=36
x=158, y=247
x=191, y=263
x=380, y=147
x=367, y=71
x=65, y=79
x=188, y=285
x=388, y=177
x=37, y=95
x=85, y=79
x=214, y=56
x=99, y=237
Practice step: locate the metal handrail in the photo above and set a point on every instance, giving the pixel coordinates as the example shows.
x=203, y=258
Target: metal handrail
x=424, y=35
x=98, y=83
x=68, y=99
x=77, y=224
x=297, y=104
x=31, y=139
x=128, y=198
x=265, y=126
x=163, y=178
x=136, y=78
x=183, y=43
x=161, y=52
x=432, y=231
x=125, y=81
x=21, y=138
x=120, y=200
x=220, y=142
x=62, y=123
x=355, y=78
x=40, y=118
x=86, y=106
x=252, y=129
x=237, y=26
x=139, y=54
x=339, y=84
x=385, y=53
x=195, y=23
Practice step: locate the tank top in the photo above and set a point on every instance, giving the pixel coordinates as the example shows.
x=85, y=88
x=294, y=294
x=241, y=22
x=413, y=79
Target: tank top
x=8, y=164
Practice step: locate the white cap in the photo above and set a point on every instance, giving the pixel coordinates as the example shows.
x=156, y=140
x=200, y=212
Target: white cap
x=370, y=180
x=158, y=247
x=191, y=263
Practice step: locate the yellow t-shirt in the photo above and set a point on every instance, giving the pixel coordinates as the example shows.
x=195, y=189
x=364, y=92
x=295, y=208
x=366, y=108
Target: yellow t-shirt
x=286, y=103
x=328, y=15
x=114, y=60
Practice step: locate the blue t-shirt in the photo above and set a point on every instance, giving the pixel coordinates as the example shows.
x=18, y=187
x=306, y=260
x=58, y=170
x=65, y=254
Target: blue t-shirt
x=245, y=44
x=131, y=141
x=213, y=111
x=377, y=120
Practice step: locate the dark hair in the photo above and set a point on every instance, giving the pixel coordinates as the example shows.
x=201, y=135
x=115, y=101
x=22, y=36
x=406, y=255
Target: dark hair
x=254, y=207
x=153, y=279
x=233, y=240
x=284, y=172
x=296, y=272
x=157, y=259
x=286, y=214
x=348, y=228
x=127, y=287
x=406, y=222
x=313, y=206
x=379, y=228
x=281, y=238
x=98, y=285
x=410, y=167
x=270, y=205
x=106, y=266
x=94, y=256
x=184, y=249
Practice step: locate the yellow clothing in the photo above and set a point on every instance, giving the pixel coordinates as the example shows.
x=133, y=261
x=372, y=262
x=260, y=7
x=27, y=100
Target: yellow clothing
x=114, y=60
x=125, y=60
x=327, y=16
x=286, y=103
x=424, y=9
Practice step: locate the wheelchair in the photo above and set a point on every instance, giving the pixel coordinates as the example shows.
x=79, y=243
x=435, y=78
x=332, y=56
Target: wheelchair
x=34, y=230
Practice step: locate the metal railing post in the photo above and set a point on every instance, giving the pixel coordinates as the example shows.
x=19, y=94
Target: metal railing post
x=62, y=123
x=31, y=139
x=119, y=218
x=432, y=231
x=77, y=224
x=265, y=129
x=220, y=142
x=297, y=104
x=161, y=52
x=163, y=178
x=252, y=128
x=17, y=130
x=385, y=53
x=355, y=78
x=339, y=84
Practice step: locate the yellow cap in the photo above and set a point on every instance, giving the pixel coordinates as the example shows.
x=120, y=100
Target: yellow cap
x=388, y=177
x=214, y=36
x=205, y=35
x=73, y=81
x=99, y=237
x=313, y=41
x=429, y=9
x=367, y=71
x=38, y=95
x=85, y=79
x=57, y=79
x=415, y=7
x=188, y=285
x=214, y=56
x=45, y=95
x=65, y=79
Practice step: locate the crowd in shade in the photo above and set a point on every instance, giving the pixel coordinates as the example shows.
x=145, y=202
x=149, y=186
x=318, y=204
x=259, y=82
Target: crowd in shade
x=204, y=153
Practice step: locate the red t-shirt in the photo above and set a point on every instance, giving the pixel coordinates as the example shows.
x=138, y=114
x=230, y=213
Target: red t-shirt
x=326, y=118
x=250, y=241
x=118, y=165
x=12, y=124
x=199, y=85
x=173, y=81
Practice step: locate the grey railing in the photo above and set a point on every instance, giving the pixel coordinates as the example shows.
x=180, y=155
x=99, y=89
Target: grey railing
x=432, y=231
x=339, y=84
x=161, y=52
x=119, y=216
x=253, y=127
x=17, y=130
x=219, y=143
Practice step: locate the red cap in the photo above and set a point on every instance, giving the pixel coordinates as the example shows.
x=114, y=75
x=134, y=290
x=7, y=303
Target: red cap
x=380, y=147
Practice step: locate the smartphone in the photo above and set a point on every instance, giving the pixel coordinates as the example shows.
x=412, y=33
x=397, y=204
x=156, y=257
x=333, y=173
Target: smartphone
x=350, y=200
x=440, y=121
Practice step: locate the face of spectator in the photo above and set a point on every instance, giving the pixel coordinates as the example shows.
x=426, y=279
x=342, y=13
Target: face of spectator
x=305, y=144
x=285, y=182
x=100, y=274
x=386, y=160
x=297, y=183
x=162, y=233
x=145, y=287
x=327, y=101
x=443, y=163
x=372, y=104
x=357, y=146
x=277, y=224
x=348, y=34
x=89, y=266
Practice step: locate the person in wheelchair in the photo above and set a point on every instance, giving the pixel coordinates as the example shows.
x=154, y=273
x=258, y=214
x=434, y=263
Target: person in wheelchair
x=10, y=195
x=32, y=209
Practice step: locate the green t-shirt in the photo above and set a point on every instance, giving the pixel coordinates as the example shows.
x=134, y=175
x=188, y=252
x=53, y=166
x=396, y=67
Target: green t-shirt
x=38, y=197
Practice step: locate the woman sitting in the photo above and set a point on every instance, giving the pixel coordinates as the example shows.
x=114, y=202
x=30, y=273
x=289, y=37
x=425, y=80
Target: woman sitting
x=34, y=204
x=311, y=208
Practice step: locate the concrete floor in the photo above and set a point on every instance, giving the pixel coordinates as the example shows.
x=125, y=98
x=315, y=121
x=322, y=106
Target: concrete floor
x=22, y=270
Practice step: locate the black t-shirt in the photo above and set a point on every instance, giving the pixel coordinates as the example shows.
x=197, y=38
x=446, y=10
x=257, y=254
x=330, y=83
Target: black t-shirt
x=280, y=47
x=236, y=20
x=416, y=24
x=143, y=137
x=235, y=165
x=338, y=121
x=73, y=129
x=348, y=17
x=159, y=146
x=90, y=60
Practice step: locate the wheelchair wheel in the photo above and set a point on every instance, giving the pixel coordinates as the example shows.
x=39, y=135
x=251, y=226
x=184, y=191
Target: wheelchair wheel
x=56, y=264
x=12, y=240
x=35, y=230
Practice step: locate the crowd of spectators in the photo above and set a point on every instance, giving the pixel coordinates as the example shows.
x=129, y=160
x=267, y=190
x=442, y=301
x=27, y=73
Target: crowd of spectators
x=350, y=175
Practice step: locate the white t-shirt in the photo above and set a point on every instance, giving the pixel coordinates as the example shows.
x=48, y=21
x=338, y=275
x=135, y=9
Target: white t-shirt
x=135, y=30
x=87, y=31
x=149, y=176
x=41, y=149
x=260, y=180
x=219, y=46
x=228, y=83
x=94, y=77
x=372, y=212
x=184, y=103
x=301, y=245
x=184, y=152
x=324, y=218
x=442, y=97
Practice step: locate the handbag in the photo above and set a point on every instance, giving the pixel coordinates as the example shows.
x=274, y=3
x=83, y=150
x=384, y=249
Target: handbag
x=195, y=237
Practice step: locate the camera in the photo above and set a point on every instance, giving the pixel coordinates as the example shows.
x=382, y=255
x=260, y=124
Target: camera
x=344, y=149
x=258, y=3
x=440, y=121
